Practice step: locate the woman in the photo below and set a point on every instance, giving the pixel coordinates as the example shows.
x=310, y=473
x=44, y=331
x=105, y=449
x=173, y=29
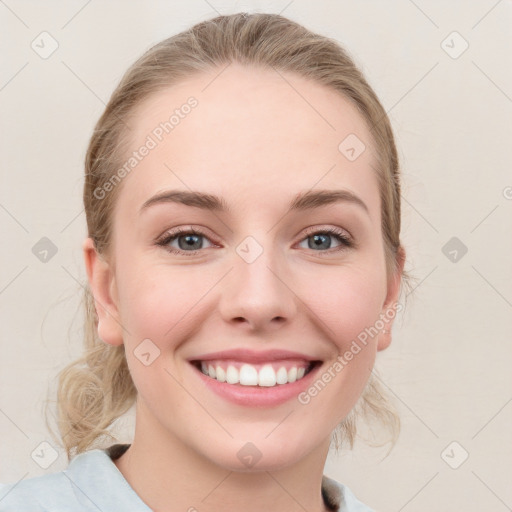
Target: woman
x=244, y=262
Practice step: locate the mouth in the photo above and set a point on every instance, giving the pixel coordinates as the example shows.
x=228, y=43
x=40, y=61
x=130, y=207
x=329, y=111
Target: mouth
x=268, y=374
x=251, y=378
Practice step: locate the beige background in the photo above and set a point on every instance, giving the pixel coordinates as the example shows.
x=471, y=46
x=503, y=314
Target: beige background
x=449, y=363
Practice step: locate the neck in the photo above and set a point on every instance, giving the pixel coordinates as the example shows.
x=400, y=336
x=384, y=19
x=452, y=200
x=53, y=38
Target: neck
x=170, y=476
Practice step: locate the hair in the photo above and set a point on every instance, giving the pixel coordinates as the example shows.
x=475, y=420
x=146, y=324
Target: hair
x=97, y=389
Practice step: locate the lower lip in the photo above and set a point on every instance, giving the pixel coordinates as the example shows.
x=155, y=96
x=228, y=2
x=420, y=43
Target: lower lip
x=258, y=396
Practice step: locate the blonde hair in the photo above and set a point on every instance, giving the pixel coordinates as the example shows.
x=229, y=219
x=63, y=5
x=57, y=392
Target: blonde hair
x=97, y=389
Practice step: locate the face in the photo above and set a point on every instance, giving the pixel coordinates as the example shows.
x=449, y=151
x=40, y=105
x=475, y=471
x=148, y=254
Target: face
x=265, y=286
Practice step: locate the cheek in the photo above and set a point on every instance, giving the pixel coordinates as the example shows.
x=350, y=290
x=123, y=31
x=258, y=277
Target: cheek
x=161, y=304
x=348, y=305
x=347, y=301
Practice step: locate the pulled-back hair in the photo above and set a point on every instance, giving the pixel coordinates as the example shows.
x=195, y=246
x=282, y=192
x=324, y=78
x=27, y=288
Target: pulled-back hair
x=97, y=389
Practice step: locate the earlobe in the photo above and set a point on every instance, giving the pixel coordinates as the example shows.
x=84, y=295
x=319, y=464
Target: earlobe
x=384, y=339
x=102, y=285
x=389, y=308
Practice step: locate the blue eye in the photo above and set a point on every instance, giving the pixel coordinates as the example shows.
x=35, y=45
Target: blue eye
x=187, y=239
x=190, y=241
x=322, y=239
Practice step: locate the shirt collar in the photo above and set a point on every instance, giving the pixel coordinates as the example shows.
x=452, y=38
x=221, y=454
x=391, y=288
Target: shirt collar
x=86, y=479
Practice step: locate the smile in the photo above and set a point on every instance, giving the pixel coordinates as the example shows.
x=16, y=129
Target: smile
x=264, y=375
x=256, y=378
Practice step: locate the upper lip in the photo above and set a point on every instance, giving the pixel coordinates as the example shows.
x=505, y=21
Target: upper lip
x=252, y=356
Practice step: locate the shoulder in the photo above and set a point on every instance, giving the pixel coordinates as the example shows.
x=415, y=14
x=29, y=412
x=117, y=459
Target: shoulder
x=339, y=498
x=91, y=482
x=51, y=492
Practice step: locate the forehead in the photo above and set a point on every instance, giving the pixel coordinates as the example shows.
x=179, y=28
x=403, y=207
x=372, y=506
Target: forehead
x=252, y=133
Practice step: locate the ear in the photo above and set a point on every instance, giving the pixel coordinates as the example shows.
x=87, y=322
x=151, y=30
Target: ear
x=393, y=291
x=103, y=287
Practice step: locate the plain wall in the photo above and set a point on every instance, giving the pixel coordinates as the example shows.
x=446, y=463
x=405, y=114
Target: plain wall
x=448, y=366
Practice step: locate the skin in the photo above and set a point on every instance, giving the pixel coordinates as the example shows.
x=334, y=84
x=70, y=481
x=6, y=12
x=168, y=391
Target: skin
x=257, y=143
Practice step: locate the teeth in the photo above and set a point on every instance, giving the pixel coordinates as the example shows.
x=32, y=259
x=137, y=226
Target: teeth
x=267, y=376
x=232, y=376
x=282, y=376
x=248, y=375
x=220, y=374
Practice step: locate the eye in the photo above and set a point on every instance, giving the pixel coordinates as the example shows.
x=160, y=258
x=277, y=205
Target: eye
x=322, y=239
x=189, y=241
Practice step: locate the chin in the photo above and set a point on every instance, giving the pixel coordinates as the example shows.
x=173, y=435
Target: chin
x=260, y=454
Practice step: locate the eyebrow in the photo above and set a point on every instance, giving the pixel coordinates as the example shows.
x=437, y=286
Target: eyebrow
x=303, y=201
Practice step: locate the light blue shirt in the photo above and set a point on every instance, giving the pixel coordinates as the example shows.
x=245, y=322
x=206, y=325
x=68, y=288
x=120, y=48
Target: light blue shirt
x=92, y=483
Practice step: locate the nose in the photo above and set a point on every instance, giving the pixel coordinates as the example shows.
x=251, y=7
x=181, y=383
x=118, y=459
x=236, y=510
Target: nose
x=258, y=294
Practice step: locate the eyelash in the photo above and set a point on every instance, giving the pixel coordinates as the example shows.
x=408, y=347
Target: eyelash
x=345, y=241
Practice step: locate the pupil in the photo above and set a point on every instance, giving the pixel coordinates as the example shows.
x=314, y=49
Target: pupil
x=190, y=240
x=319, y=238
